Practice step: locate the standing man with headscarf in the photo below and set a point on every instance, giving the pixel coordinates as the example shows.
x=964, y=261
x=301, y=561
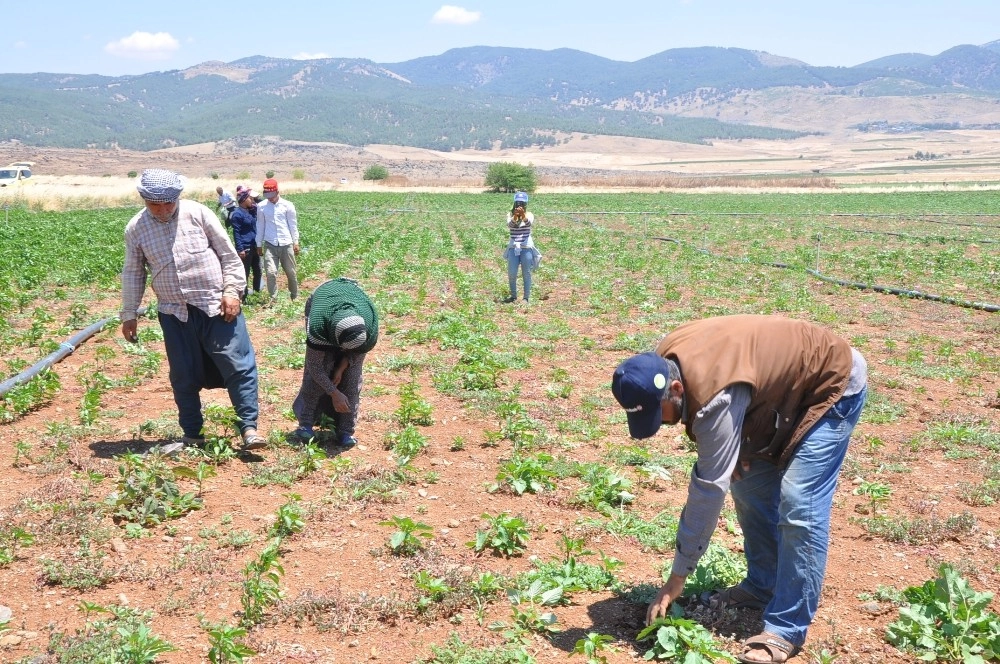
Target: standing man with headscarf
x=278, y=238
x=198, y=279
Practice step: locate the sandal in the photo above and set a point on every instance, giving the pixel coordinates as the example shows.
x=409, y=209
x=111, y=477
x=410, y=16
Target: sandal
x=778, y=649
x=253, y=440
x=734, y=597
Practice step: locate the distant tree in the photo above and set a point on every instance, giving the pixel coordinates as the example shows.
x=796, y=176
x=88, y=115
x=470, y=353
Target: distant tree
x=269, y=174
x=506, y=176
x=376, y=172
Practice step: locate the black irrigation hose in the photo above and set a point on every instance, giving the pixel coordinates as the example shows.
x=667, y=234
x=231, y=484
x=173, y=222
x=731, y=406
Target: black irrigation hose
x=902, y=292
x=65, y=348
x=865, y=215
x=928, y=238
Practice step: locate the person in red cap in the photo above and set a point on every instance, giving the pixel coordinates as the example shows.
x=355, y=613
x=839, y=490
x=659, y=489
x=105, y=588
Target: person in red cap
x=771, y=404
x=278, y=238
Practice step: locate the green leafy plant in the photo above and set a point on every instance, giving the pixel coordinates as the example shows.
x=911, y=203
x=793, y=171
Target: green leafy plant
x=947, y=620
x=123, y=637
x=289, y=517
x=13, y=538
x=147, y=493
x=507, y=535
x=406, y=540
x=526, y=474
x=604, y=489
x=406, y=444
x=683, y=640
x=261, y=577
x=224, y=643
x=433, y=589
x=199, y=473
x=528, y=613
x=413, y=409
x=877, y=493
x=591, y=646
x=718, y=568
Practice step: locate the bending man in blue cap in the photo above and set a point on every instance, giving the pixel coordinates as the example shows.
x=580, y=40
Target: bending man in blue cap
x=771, y=404
x=198, y=280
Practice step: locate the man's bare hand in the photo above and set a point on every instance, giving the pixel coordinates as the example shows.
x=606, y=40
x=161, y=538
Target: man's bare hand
x=660, y=606
x=260, y=251
x=130, y=330
x=295, y=249
x=230, y=308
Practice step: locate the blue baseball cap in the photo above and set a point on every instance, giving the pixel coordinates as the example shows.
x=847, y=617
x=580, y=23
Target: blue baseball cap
x=521, y=197
x=639, y=384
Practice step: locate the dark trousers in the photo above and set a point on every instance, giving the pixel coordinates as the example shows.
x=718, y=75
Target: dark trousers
x=202, y=351
x=251, y=263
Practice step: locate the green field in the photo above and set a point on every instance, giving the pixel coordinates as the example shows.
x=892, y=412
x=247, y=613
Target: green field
x=465, y=395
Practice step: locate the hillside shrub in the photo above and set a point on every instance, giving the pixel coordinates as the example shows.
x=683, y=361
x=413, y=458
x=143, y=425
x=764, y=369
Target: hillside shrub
x=508, y=177
x=376, y=172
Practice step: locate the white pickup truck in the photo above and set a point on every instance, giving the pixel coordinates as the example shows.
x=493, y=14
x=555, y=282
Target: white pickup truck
x=15, y=174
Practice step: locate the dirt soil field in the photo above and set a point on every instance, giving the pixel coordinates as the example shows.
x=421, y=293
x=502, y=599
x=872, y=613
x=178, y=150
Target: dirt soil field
x=344, y=594
x=339, y=565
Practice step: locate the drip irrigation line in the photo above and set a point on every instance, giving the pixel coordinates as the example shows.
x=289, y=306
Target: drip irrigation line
x=65, y=348
x=937, y=238
x=800, y=215
x=902, y=292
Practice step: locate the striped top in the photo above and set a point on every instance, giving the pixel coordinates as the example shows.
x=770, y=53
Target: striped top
x=520, y=232
x=341, y=318
x=189, y=260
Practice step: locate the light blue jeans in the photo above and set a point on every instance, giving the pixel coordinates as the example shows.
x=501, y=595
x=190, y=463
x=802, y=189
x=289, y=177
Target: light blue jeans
x=205, y=351
x=785, y=516
x=526, y=260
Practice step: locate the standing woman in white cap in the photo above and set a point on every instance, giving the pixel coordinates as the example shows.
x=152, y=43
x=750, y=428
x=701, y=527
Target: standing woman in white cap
x=521, y=251
x=198, y=280
x=341, y=327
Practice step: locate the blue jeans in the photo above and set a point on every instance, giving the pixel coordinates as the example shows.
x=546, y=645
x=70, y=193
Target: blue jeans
x=526, y=259
x=785, y=516
x=206, y=351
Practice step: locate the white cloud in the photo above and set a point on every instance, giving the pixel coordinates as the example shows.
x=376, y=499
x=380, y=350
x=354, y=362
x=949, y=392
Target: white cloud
x=20, y=44
x=453, y=15
x=311, y=56
x=144, y=46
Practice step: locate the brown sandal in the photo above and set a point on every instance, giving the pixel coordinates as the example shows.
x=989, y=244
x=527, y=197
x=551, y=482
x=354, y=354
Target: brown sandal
x=778, y=649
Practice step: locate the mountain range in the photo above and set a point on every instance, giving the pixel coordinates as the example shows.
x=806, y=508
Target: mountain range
x=487, y=97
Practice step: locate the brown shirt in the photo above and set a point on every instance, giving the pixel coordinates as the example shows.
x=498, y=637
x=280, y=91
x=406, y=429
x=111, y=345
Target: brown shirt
x=796, y=371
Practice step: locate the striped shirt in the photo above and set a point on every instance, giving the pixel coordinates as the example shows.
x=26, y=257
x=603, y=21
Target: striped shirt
x=277, y=224
x=520, y=232
x=190, y=260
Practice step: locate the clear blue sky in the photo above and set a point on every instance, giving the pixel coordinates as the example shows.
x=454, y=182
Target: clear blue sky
x=113, y=38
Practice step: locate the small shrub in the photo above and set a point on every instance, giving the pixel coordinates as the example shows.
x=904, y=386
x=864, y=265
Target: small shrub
x=132, y=174
x=298, y=174
x=508, y=177
x=376, y=172
x=214, y=176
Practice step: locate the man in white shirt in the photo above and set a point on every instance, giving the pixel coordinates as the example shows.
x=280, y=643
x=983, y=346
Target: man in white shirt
x=278, y=238
x=226, y=203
